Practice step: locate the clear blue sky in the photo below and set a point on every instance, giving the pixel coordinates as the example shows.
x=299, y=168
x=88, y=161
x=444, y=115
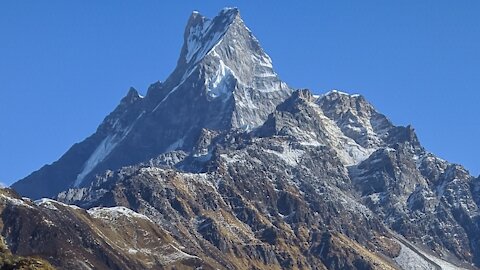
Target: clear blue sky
x=64, y=65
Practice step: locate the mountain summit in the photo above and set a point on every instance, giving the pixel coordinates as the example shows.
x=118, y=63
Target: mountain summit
x=223, y=166
x=223, y=80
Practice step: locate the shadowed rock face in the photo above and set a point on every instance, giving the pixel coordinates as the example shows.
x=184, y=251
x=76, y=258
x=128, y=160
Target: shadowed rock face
x=222, y=166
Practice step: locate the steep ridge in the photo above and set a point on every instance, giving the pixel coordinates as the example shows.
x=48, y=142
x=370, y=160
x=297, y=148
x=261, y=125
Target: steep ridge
x=82, y=157
x=223, y=80
x=101, y=238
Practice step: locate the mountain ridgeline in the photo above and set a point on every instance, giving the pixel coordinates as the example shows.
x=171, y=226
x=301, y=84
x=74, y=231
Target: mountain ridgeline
x=224, y=166
x=222, y=77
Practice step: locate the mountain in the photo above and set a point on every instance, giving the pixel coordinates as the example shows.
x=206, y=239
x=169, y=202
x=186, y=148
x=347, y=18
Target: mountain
x=223, y=166
x=221, y=77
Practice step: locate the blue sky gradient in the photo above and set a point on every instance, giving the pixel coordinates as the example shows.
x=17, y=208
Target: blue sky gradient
x=64, y=65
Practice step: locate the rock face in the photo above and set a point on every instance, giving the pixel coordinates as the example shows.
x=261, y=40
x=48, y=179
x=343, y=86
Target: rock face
x=223, y=166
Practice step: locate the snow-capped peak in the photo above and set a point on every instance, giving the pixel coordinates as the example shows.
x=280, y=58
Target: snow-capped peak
x=203, y=34
x=223, y=80
x=232, y=65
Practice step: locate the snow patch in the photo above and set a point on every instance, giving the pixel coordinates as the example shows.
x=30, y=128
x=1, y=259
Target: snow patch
x=14, y=201
x=409, y=259
x=220, y=83
x=201, y=38
x=417, y=259
x=334, y=91
x=443, y=264
x=178, y=255
x=113, y=213
x=184, y=78
x=232, y=159
x=174, y=146
x=50, y=204
x=375, y=197
x=349, y=151
x=49, y=223
x=289, y=155
x=311, y=143
x=104, y=148
x=101, y=152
